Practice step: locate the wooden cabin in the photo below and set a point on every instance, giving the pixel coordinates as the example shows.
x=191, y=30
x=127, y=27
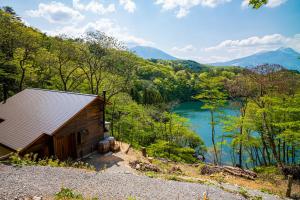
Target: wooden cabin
x=63, y=124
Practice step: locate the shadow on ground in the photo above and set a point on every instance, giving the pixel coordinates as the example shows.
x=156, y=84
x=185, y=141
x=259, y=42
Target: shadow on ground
x=103, y=161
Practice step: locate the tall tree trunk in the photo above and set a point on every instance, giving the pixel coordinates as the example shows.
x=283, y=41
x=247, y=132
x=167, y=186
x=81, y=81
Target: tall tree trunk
x=293, y=154
x=263, y=155
x=243, y=113
x=213, y=137
x=270, y=139
x=283, y=152
x=257, y=157
x=279, y=149
x=265, y=150
x=241, y=150
x=221, y=149
x=22, y=79
x=287, y=154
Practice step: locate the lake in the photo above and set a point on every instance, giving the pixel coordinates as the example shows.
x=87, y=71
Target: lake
x=199, y=120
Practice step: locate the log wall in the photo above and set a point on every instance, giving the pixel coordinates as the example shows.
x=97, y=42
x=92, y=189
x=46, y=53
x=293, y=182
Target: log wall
x=88, y=124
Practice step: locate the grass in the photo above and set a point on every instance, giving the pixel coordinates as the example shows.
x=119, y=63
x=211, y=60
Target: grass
x=244, y=193
x=151, y=174
x=265, y=190
x=32, y=159
x=131, y=198
x=69, y=194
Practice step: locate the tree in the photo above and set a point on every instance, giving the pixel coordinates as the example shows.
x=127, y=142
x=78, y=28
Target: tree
x=239, y=91
x=29, y=43
x=121, y=72
x=65, y=54
x=256, y=4
x=267, y=82
x=213, y=97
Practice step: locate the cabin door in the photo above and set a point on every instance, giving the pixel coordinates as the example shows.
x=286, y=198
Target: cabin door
x=66, y=147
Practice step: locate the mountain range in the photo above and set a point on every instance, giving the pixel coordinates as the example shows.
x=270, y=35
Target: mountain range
x=151, y=53
x=287, y=57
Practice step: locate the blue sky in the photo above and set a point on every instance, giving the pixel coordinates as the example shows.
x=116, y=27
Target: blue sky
x=202, y=30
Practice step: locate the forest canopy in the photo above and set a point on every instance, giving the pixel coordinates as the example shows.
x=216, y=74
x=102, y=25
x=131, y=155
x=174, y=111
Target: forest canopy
x=143, y=92
x=140, y=91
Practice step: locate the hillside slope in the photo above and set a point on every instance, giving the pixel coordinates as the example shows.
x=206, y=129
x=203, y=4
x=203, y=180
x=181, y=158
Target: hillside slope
x=286, y=57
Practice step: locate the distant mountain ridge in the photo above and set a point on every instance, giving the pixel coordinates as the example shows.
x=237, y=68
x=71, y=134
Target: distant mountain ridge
x=151, y=53
x=287, y=57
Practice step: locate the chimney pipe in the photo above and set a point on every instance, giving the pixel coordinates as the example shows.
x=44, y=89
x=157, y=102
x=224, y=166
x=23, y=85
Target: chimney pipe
x=104, y=102
x=5, y=93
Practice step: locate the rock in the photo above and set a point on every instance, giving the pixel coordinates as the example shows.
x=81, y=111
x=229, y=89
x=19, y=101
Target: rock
x=138, y=166
x=176, y=170
x=141, y=166
x=210, y=169
x=37, y=198
x=164, y=160
x=195, y=165
x=150, y=159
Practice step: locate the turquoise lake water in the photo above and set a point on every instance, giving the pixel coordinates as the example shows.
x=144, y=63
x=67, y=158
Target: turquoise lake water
x=199, y=120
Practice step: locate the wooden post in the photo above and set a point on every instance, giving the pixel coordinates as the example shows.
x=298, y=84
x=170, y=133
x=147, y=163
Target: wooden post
x=103, y=114
x=144, y=151
x=289, y=187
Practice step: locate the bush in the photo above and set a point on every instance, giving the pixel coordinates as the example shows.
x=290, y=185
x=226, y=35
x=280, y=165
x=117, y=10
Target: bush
x=164, y=149
x=267, y=170
x=32, y=159
x=67, y=194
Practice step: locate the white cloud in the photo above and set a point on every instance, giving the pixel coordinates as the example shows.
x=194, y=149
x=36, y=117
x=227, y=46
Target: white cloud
x=187, y=48
x=183, y=7
x=231, y=49
x=94, y=6
x=128, y=5
x=270, y=4
x=56, y=12
x=255, y=42
x=105, y=25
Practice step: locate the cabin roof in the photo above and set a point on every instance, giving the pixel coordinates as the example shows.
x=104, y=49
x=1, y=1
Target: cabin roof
x=31, y=113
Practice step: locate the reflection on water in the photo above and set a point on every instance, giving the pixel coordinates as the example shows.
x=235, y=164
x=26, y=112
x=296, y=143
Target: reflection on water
x=200, y=123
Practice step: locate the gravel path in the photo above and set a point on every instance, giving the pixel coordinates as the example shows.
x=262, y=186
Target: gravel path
x=117, y=182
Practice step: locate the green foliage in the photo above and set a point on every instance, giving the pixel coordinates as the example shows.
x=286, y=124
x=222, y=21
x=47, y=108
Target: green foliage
x=68, y=194
x=257, y=3
x=32, y=159
x=244, y=193
x=141, y=91
x=131, y=198
x=213, y=96
x=147, y=126
x=163, y=149
x=267, y=170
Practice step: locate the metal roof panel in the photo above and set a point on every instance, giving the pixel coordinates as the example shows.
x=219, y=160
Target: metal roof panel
x=33, y=112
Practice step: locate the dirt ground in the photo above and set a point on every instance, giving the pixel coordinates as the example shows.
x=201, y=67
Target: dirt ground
x=273, y=184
